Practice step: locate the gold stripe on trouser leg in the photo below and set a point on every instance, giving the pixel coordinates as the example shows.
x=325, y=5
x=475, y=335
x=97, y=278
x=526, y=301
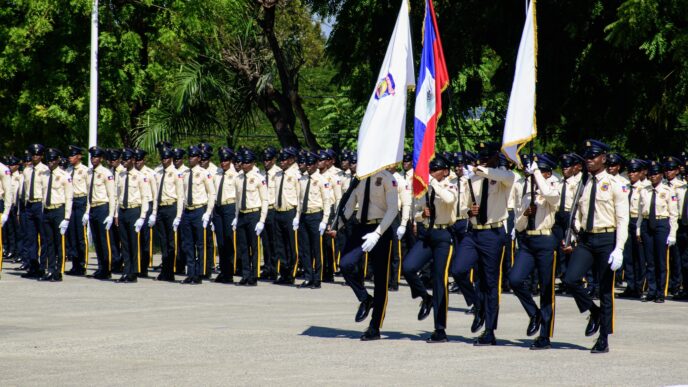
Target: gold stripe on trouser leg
x=499, y=285
x=551, y=321
x=176, y=251
x=400, y=260
x=138, y=251
x=613, y=284
x=365, y=266
x=214, y=250
x=389, y=261
x=150, y=248
x=446, y=281
x=235, y=250
x=296, y=264
x=339, y=257
x=321, y=260
x=471, y=276
x=107, y=238
x=334, y=255
x=86, y=247
x=260, y=252
x=39, y=245
x=668, y=274
x=513, y=247
x=205, y=235
x=64, y=255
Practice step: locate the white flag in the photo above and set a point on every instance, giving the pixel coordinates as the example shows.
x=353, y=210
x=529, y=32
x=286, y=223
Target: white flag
x=520, y=126
x=381, y=135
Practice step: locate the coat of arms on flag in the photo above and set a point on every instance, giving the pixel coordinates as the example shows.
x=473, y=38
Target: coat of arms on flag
x=385, y=87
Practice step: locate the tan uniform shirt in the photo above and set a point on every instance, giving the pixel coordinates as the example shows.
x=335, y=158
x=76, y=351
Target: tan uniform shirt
x=499, y=189
x=463, y=201
x=40, y=177
x=61, y=191
x=571, y=186
x=17, y=186
x=172, y=189
x=79, y=176
x=289, y=181
x=611, y=207
x=334, y=177
x=408, y=176
x=634, y=200
x=405, y=197
x=202, y=188
x=256, y=193
x=152, y=191
x=6, y=186
x=546, y=199
x=346, y=180
x=318, y=195
x=104, y=190
x=228, y=186
x=271, y=185
x=138, y=188
x=516, y=192
x=665, y=206
x=446, y=195
x=383, y=204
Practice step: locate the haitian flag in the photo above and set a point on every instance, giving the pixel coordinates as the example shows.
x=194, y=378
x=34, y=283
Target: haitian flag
x=432, y=80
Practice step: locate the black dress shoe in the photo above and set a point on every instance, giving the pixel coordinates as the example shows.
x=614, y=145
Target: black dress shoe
x=57, y=277
x=681, y=296
x=425, y=307
x=534, y=324
x=252, y=282
x=394, y=288
x=24, y=266
x=486, y=338
x=278, y=281
x=187, y=281
x=123, y=279
x=438, y=336
x=45, y=277
x=593, y=324
x=316, y=285
x=305, y=284
x=364, y=309
x=197, y=280
x=132, y=279
x=143, y=274
x=470, y=310
x=224, y=279
x=659, y=300
x=328, y=280
x=541, y=343
x=478, y=322
x=33, y=274
x=76, y=272
x=601, y=346
x=243, y=282
x=628, y=293
x=454, y=288
x=648, y=298
x=102, y=276
x=370, y=334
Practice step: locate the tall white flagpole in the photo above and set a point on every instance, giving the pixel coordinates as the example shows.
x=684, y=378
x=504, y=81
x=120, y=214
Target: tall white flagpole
x=93, y=105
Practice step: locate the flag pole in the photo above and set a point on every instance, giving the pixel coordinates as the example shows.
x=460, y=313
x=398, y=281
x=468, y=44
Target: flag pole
x=460, y=138
x=93, y=103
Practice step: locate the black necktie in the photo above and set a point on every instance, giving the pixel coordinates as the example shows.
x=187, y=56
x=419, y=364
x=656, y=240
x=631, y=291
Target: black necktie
x=591, y=206
x=162, y=185
x=125, y=201
x=50, y=189
x=33, y=175
x=243, y=193
x=366, y=202
x=484, y=193
x=304, y=206
x=432, y=209
x=630, y=193
x=189, y=190
x=458, y=200
x=279, y=194
x=23, y=193
x=652, y=217
x=90, y=188
x=220, y=189
x=562, y=202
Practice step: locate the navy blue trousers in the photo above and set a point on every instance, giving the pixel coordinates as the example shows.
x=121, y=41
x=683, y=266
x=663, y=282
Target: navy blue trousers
x=247, y=245
x=654, y=244
x=224, y=234
x=285, y=242
x=131, y=253
x=101, y=238
x=76, y=241
x=52, y=249
x=310, y=243
x=33, y=225
x=193, y=242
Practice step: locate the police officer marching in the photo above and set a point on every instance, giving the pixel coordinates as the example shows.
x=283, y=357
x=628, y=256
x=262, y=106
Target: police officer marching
x=534, y=221
x=101, y=204
x=602, y=224
x=250, y=215
x=35, y=175
x=146, y=244
x=170, y=207
x=400, y=227
x=57, y=208
x=656, y=230
x=634, y=255
x=178, y=162
x=76, y=234
x=133, y=192
x=225, y=211
x=199, y=203
x=288, y=189
x=271, y=171
x=572, y=176
x=311, y=221
x=437, y=210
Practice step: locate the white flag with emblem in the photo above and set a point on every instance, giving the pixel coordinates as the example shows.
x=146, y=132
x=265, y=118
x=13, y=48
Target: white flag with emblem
x=520, y=126
x=381, y=135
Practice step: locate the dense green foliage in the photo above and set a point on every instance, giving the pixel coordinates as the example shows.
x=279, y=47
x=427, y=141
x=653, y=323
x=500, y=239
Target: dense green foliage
x=219, y=70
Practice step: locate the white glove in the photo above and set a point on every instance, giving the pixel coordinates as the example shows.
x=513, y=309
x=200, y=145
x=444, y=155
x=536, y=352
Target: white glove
x=212, y=227
x=108, y=222
x=175, y=224
x=371, y=240
x=5, y=216
x=84, y=220
x=532, y=168
x=513, y=233
x=615, y=259
x=63, y=226
x=151, y=220
x=206, y=219
x=468, y=171
x=671, y=240
x=322, y=227
x=234, y=224
x=138, y=225
x=401, y=231
x=295, y=223
x=259, y=227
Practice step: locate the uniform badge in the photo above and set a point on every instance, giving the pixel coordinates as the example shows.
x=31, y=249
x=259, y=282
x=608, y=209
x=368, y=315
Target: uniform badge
x=180, y=175
x=111, y=178
x=674, y=198
x=315, y=184
x=250, y=181
x=378, y=182
x=394, y=183
x=263, y=182
x=493, y=182
x=57, y=179
x=170, y=174
x=288, y=179
x=7, y=172
x=327, y=185
x=604, y=187
x=133, y=178
x=210, y=176
x=624, y=188
x=662, y=195
x=69, y=180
